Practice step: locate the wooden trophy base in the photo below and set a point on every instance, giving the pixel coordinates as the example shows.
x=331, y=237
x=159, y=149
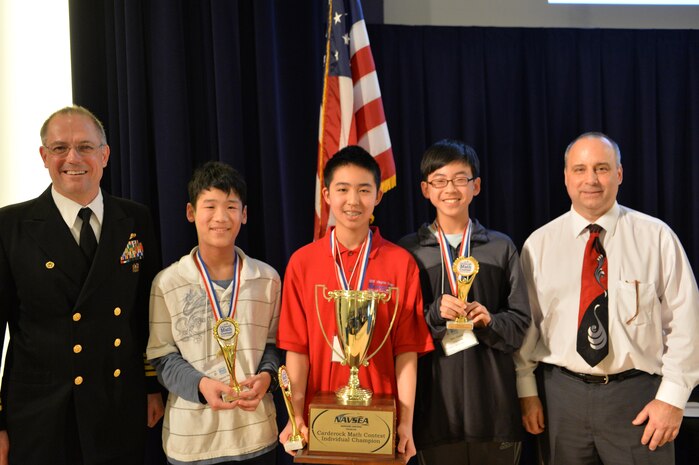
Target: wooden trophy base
x=460, y=325
x=303, y=456
x=350, y=434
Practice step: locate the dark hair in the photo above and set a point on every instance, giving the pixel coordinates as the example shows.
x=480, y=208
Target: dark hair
x=352, y=155
x=216, y=175
x=447, y=151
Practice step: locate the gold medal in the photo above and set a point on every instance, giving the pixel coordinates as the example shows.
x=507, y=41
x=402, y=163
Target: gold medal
x=465, y=267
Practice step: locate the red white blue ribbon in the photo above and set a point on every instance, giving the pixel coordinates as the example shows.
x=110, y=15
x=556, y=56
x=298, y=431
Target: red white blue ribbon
x=209, y=286
x=445, y=248
x=363, y=259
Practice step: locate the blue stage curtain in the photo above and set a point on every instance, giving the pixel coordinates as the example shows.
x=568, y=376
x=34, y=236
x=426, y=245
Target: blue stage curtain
x=181, y=82
x=520, y=95
x=178, y=83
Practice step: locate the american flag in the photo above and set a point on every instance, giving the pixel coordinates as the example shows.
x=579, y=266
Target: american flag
x=351, y=110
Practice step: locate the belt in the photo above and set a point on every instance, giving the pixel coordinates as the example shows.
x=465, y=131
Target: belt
x=596, y=379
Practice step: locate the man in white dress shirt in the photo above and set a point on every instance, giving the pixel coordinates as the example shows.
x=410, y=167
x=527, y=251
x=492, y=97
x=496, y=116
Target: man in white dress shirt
x=628, y=407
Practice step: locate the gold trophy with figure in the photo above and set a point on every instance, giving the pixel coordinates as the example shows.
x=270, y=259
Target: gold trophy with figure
x=466, y=269
x=296, y=441
x=226, y=334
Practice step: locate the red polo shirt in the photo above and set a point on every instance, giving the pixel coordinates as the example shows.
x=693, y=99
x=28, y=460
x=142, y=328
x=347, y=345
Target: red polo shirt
x=299, y=328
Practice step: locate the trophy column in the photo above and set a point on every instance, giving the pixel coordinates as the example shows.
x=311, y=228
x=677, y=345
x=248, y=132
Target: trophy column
x=226, y=334
x=466, y=269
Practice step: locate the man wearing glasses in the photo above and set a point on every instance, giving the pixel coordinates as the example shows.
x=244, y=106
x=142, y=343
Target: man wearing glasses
x=614, y=323
x=76, y=266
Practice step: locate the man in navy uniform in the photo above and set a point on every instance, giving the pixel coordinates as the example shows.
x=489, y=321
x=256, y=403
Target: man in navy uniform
x=76, y=266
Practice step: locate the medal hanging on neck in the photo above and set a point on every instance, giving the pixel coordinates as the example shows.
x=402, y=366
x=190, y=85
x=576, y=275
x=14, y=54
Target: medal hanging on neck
x=445, y=249
x=461, y=271
x=226, y=329
x=347, y=301
x=362, y=261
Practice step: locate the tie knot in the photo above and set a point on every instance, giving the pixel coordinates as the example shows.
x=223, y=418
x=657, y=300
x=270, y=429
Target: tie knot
x=595, y=228
x=85, y=214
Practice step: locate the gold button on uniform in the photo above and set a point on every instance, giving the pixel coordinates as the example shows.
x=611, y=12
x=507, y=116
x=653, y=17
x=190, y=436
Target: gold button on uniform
x=78, y=380
x=77, y=316
x=117, y=372
x=50, y=265
x=77, y=348
x=117, y=311
x=117, y=342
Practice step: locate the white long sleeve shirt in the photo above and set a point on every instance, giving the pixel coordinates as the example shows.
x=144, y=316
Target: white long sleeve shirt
x=653, y=301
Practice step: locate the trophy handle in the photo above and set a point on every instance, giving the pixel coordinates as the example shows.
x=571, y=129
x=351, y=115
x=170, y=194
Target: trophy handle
x=320, y=321
x=390, y=326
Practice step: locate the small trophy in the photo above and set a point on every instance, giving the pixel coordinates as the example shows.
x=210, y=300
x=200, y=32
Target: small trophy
x=466, y=269
x=296, y=441
x=226, y=333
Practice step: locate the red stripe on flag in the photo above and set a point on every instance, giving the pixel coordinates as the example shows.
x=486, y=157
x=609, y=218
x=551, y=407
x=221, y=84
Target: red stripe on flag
x=362, y=63
x=333, y=121
x=386, y=163
x=320, y=223
x=369, y=116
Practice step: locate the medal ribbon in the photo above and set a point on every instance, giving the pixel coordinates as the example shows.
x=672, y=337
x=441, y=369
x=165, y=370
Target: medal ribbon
x=209, y=286
x=363, y=259
x=445, y=248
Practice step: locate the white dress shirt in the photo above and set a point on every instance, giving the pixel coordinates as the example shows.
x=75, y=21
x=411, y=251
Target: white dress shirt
x=69, y=212
x=653, y=301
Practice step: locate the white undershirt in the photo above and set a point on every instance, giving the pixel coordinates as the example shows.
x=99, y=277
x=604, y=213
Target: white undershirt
x=69, y=212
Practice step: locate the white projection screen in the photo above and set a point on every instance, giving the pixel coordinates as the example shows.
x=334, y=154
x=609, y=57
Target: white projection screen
x=627, y=2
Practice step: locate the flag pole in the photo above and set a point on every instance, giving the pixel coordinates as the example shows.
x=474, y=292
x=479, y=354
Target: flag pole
x=326, y=71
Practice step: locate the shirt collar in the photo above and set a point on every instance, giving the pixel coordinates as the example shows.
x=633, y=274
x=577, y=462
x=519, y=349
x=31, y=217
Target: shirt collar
x=69, y=208
x=375, y=242
x=187, y=266
x=608, y=221
x=427, y=234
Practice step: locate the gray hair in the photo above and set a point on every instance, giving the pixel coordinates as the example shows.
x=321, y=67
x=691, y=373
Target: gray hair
x=74, y=110
x=595, y=135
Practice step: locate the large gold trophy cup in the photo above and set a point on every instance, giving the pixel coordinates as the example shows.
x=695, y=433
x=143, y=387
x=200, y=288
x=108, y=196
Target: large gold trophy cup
x=355, y=319
x=352, y=422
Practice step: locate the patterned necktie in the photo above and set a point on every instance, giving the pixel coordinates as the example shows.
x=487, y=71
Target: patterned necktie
x=88, y=241
x=593, y=317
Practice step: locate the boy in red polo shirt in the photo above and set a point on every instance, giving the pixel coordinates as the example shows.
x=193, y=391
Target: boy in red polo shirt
x=351, y=189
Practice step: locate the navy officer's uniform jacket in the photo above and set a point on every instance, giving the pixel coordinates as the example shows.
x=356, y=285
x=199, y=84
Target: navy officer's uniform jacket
x=77, y=333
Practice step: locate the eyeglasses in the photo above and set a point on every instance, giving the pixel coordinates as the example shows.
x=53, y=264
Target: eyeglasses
x=441, y=183
x=84, y=150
